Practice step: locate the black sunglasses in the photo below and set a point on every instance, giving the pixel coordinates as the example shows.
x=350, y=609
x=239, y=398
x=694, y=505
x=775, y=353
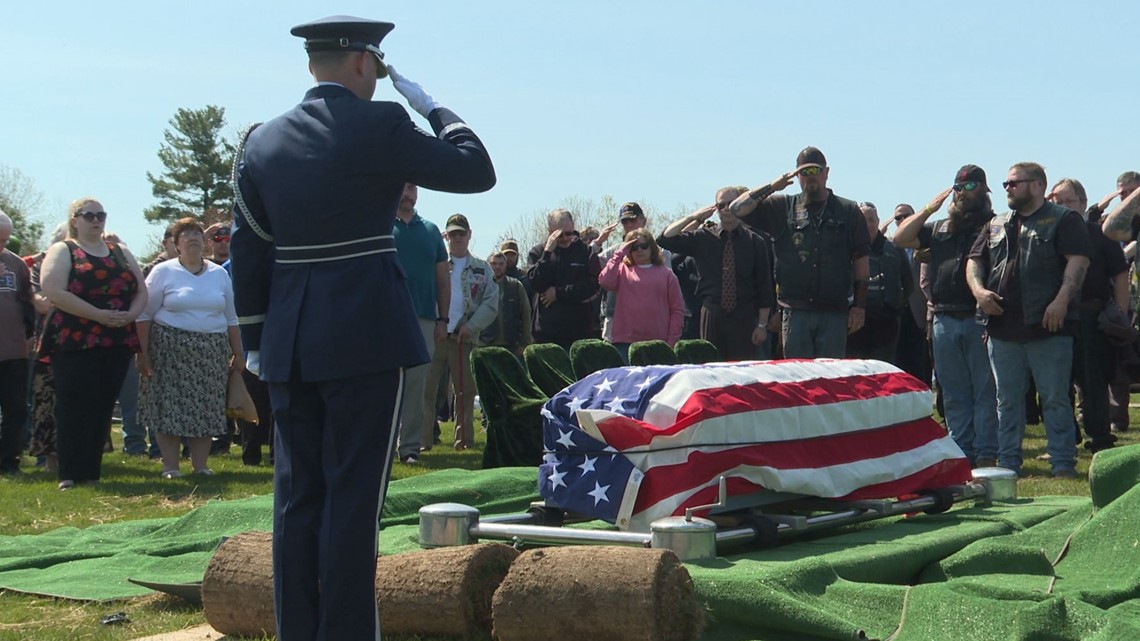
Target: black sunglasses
x=1010, y=183
x=92, y=216
x=966, y=186
x=641, y=246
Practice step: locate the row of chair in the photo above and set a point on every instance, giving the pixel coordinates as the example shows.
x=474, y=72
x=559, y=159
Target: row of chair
x=512, y=395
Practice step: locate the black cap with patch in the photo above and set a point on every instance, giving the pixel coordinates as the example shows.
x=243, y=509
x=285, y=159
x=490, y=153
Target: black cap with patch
x=971, y=173
x=346, y=33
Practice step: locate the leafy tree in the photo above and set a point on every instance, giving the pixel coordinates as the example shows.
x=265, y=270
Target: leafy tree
x=22, y=201
x=197, y=160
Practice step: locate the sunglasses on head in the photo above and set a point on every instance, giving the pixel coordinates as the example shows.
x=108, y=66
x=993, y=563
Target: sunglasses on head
x=811, y=171
x=92, y=216
x=966, y=186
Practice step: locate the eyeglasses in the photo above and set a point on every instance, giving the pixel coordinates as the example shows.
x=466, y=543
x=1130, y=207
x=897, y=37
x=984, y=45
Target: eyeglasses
x=641, y=246
x=968, y=186
x=627, y=221
x=1013, y=183
x=221, y=238
x=92, y=216
x=811, y=171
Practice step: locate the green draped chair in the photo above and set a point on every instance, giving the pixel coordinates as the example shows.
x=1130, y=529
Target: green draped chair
x=657, y=352
x=512, y=404
x=589, y=355
x=549, y=367
x=696, y=350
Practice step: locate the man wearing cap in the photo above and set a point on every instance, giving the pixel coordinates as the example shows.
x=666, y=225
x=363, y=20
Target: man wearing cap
x=735, y=276
x=473, y=304
x=564, y=274
x=423, y=256
x=510, y=250
x=1025, y=270
x=960, y=359
x=325, y=312
x=822, y=265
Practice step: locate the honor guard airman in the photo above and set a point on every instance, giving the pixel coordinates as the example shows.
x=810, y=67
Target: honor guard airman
x=325, y=314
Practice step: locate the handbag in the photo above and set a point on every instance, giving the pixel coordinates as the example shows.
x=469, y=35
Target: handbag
x=239, y=404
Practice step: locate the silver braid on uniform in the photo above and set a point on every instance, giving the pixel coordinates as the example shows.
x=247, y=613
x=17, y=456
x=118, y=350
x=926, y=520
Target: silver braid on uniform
x=238, y=198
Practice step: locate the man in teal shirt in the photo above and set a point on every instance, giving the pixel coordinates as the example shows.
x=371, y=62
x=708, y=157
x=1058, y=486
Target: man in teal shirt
x=423, y=255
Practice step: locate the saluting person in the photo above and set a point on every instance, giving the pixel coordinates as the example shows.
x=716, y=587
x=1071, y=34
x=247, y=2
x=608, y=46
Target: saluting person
x=325, y=312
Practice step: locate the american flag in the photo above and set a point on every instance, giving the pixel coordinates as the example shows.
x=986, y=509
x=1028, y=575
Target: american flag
x=634, y=444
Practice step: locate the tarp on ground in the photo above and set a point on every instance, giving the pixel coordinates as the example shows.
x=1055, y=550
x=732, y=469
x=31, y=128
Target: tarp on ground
x=1048, y=568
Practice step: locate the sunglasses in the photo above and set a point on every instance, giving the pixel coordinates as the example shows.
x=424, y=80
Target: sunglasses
x=221, y=238
x=811, y=171
x=966, y=186
x=642, y=246
x=92, y=216
x=571, y=234
x=1011, y=183
x=722, y=206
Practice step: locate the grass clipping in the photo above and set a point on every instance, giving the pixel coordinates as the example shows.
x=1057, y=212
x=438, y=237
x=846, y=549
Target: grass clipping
x=597, y=593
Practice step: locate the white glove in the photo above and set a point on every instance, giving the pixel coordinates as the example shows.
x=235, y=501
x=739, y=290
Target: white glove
x=253, y=362
x=418, y=99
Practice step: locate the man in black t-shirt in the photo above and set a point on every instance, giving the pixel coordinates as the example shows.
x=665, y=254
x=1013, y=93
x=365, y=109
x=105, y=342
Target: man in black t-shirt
x=1025, y=271
x=1105, y=280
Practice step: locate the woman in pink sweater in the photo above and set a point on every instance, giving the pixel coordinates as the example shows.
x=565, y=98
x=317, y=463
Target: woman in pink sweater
x=649, y=304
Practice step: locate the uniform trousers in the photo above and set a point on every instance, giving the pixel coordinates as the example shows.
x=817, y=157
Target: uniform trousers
x=87, y=382
x=455, y=356
x=333, y=450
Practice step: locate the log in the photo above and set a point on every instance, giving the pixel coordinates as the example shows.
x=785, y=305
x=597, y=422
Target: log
x=604, y=593
x=443, y=593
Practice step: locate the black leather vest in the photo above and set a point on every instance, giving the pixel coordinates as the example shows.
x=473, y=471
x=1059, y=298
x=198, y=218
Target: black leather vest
x=1040, y=270
x=813, y=256
x=885, y=286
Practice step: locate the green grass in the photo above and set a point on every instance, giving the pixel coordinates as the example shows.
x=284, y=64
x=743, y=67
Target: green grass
x=132, y=489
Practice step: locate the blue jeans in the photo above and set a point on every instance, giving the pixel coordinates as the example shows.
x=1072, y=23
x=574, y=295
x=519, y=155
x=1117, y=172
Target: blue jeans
x=814, y=334
x=1051, y=362
x=968, y=396
x=134, y=435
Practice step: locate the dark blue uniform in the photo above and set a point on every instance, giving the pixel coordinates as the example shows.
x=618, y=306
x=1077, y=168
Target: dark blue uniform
x=321, y=295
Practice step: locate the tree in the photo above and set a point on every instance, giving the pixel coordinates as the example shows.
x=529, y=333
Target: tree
x=197, y=161
x=23, y=202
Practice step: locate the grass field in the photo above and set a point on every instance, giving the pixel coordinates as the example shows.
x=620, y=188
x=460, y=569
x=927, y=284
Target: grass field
x=132, y=489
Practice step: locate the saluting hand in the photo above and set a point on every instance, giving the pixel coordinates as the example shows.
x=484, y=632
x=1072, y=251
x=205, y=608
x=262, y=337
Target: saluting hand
x=936, y=204
x=606, y=231
x=783, y=181
x=552, y=241
x=418, y=99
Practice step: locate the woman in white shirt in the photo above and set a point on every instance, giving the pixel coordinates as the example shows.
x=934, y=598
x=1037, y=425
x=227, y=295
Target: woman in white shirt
x=189, y=342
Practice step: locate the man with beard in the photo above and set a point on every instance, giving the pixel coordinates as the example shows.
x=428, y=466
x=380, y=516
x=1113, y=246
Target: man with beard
x=889, y=286
x=510, y=250
x=1025, y=270
x=423, y=255
x=960, y=360
x=822, y=267
x=1106, y=279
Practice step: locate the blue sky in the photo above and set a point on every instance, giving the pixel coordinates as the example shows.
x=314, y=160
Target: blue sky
x=662, y=102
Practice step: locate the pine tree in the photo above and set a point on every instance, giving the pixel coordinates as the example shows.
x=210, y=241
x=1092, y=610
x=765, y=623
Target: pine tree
x=197, y=160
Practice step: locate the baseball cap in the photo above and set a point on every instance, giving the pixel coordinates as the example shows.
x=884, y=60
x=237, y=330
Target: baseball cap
x=457, y=222
x=509, y=245
x=971, y=172
x=810, y=157
x=630, y=210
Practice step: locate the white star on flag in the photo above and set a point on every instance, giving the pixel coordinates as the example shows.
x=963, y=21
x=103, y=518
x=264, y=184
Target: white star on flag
x=605, y=386
x=576, y=404
x=599, y=493
x=556, y=479
x=565, y=439
x=587, y=466
x=644, y=384
x=547, y=414
x=615, y=405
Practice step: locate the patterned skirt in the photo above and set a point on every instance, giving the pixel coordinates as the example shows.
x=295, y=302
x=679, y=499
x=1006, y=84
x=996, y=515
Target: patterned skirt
x=187, y=394
x=43, y=411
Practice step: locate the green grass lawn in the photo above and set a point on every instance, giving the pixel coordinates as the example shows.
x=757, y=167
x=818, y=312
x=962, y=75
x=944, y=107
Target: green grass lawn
x=132, y=489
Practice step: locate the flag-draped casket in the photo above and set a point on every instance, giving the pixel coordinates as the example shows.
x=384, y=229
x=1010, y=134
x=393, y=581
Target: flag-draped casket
x=634, y=444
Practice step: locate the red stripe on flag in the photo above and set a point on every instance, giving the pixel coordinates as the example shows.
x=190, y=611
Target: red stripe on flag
x=709, y=403
x=663, y=481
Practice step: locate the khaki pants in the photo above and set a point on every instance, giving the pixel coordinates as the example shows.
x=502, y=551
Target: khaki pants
x=456, y=358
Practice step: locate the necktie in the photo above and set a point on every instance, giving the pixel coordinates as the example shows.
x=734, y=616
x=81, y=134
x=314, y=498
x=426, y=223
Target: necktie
x=728, y=277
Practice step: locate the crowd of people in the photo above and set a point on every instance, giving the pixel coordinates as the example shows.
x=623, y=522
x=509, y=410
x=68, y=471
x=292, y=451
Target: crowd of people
x=86, y=327
x=1014, y=318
